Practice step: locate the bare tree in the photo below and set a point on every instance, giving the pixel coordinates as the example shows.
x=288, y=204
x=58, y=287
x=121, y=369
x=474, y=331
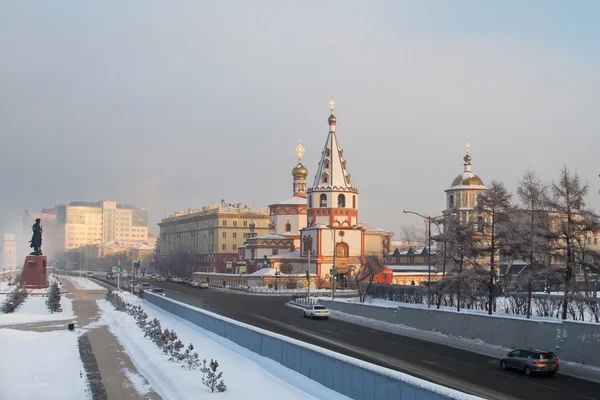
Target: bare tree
x=364, y=276
x=495, y=206
x=568, y=202
x=411, y=237
x=286, y=268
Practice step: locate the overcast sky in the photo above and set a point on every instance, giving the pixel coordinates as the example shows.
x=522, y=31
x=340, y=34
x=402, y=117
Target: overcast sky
x=171, y=105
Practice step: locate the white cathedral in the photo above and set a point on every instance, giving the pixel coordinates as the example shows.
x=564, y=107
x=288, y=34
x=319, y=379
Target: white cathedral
x=318, y=228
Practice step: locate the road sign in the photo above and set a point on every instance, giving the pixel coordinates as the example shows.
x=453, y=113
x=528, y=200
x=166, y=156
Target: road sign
x=331, y=271
x=136, y=260
x=305, y=282
x=242, y=269
x=229, y=264
x=115, y=270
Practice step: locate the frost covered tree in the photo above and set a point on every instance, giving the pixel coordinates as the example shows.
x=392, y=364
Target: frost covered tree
x=494, y=205
x=573, y=222
x=53, y=300
x=190, y=358
x=14, y=300
x=153, y=330
x=213, y=378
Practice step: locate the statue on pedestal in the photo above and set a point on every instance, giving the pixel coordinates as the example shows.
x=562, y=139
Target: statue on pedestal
x=36, y=238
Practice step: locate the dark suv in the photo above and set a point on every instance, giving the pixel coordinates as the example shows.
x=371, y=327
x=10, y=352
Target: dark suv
x=531, y=361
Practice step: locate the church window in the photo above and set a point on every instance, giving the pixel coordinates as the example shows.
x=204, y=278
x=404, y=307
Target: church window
x=324, y=178
x=326, y=164
x=310, y=201
x=288, y=227
x=451, y=201
x=327, y=153
x=480, y=224
x=341, y=250
x=354, y=201
x=323, y=202
x=341, y=201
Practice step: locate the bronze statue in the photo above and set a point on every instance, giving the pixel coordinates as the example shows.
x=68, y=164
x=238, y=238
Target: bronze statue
x=36, y=239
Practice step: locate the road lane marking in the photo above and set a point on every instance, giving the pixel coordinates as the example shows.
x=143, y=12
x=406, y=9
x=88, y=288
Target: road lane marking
x=470, y=365
x=171, y=290
x=583, y=397
x=495, y=362
x=546, y=386
x=333, y=333
x=502, y=374
x=438, y=365
x=435, y=355
x=345, y=330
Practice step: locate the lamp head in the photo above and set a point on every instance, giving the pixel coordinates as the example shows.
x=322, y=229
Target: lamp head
x=405, y=211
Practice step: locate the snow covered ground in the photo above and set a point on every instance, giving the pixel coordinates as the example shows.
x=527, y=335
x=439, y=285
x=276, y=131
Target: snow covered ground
x=41, y=366
x=34, y=310
x=247, y=375
x=82, y=283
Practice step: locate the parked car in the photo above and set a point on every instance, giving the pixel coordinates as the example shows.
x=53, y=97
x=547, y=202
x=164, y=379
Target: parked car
x=90, y=273
x=153, y=277
x=160, y=278
x=531, y=361
x=203, y=285
x=317, y=311
x=158, y=291
x=145, y=286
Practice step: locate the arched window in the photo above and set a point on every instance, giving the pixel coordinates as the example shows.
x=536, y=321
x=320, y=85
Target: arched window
x=341, y=250
x=323, y=202
x=451, y=201
x=341, y=201
x=354, y=201
x=310, y=201
x=326, y=164
x=324, y=178
x=288, y=227
x=480, y=224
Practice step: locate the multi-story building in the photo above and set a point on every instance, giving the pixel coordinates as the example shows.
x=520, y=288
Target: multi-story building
x=8, y=253
x=209, y=238
x=80, y=223
x=50, y=245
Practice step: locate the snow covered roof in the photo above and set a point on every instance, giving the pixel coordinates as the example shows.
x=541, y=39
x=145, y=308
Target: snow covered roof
x=411, y=268
x=373, y=229
x=263, y=272
x=296, y=201
x=270, y=236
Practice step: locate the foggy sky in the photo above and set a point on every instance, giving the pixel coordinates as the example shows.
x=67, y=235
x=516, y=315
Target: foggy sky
x=174, y=105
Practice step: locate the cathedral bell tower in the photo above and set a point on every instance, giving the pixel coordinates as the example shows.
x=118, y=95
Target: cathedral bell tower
x=299, y=173
x=332, y=200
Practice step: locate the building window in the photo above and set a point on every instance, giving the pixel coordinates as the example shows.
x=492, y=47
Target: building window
x=589, y=240
x=480, y=224
x=341, y=250
x=234, y=223
x=288, y=227
x=341, y=201
x=324, y=178
x=354, y=201
x=326, y=164
x=224, y=223
x=235, y=247
x=274, y=252
x=327, y=153
x=223, y=247
x=595, y=240
x=451, y=201
x=310, y=201
x=245, y=223
x=323, y=202
x=234, y=235
x=224, y=235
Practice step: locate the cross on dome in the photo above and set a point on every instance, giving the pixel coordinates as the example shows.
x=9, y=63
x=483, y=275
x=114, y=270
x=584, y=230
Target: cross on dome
x=300, y=151
x=332, y=104
x=467, y=147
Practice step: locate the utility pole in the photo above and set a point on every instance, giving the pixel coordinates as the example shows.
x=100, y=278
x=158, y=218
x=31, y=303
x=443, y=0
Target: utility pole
x=308, y=275
x=132, y=275
x=86, y=271
x=119, y=274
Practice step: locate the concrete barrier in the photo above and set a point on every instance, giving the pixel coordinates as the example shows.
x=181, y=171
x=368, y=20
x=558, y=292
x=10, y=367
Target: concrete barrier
x=349, y=376
x=571, y=340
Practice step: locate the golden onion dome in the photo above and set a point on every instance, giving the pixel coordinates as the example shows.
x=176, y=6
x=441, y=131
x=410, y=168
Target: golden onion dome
x=467, y=159
x=299, y=171
x=332, y=119
x=467, y=179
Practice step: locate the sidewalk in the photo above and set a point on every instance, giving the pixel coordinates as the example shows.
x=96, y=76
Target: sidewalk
x=110, y=372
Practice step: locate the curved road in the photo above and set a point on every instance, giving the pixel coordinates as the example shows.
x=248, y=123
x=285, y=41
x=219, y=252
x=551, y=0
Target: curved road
x=459, y=369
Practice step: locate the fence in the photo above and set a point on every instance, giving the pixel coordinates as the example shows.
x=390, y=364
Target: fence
x=346, y=375
x=571, y=340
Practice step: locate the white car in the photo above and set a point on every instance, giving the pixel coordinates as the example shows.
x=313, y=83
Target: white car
x=316, y=311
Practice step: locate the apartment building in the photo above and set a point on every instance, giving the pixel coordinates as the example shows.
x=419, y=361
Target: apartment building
x=209, y=238
x=81, y=223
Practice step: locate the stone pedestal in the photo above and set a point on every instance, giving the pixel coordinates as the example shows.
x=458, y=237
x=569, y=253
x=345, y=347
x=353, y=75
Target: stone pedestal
x=34, y=274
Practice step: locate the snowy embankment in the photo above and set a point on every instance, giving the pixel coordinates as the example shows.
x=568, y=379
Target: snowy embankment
x=35, y=310
x=40, y=365
x=81, y=283
x=246, y=374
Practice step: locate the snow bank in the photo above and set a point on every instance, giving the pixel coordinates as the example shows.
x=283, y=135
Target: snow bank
x=41, y=366
x=34, y=310
x=83, y=283
x=246, y=374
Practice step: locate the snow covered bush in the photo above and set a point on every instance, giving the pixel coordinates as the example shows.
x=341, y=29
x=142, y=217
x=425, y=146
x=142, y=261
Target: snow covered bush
x=213, y=379
x=53, y=300
x=153, y=330
x=14, y=300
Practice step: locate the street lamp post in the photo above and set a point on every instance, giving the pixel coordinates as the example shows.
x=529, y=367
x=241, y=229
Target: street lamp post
x=428, y=219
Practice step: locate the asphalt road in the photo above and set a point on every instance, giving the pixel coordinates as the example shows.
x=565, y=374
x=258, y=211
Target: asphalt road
x=459, y=369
